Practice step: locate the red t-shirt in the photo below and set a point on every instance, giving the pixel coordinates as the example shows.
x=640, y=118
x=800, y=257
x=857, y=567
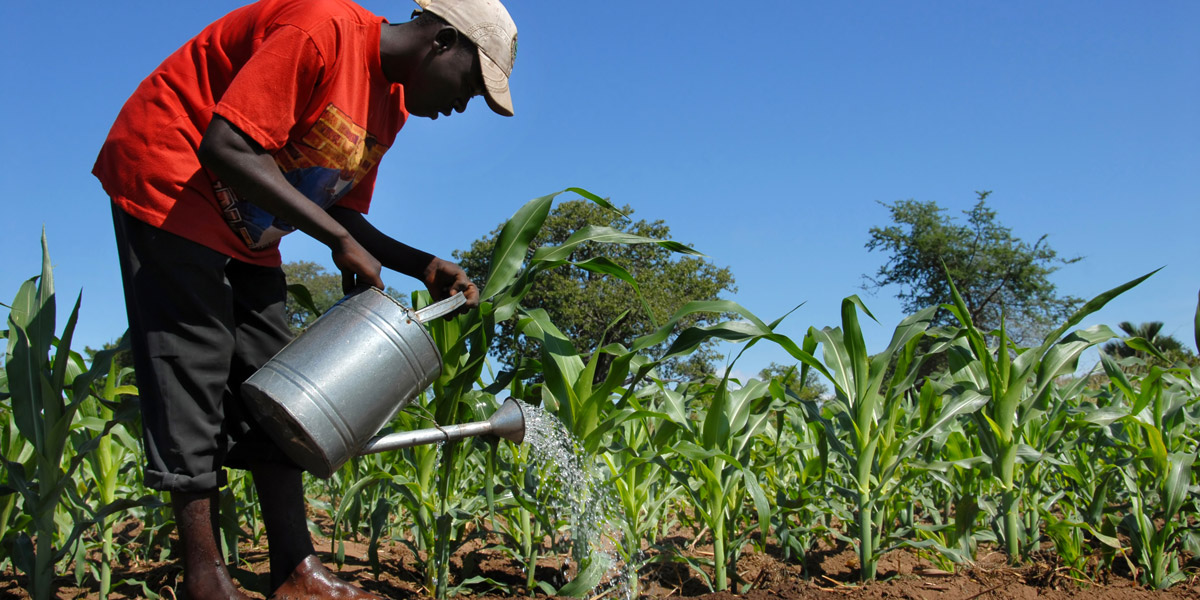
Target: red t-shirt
x=301, y=77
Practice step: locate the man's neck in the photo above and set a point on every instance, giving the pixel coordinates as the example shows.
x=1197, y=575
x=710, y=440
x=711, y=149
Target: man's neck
x=398, y=50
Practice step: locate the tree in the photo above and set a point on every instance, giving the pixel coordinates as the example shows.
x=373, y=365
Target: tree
x=789, y=376
x=1167, y=345
x=325, y=289
x=999, y=275
x=595, y=310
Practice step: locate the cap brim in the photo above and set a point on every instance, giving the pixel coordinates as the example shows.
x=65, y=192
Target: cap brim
x=496, y=84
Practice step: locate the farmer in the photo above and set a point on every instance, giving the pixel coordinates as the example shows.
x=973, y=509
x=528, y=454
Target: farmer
x=273, y=118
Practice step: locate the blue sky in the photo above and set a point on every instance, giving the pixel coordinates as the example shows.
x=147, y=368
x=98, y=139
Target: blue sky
x=764, y=134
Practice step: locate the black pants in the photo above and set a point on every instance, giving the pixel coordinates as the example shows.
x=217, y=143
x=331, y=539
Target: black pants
x=200, y=323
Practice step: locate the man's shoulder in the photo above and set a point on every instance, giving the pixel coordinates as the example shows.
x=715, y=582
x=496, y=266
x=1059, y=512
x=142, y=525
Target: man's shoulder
x=309, y=14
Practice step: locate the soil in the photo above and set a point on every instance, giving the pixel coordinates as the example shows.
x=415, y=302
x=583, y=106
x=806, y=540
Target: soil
x=827, y=573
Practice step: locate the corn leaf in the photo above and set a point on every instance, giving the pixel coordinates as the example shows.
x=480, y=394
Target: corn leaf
x=301, y=294
x=42, y=323
x=605, y=235
x=761, y=506
x=1088, y=308
x=513, y=243
x=587, y=579
x=25, y=383
x=855, y=349
x=1178, y=480
x=594, y=198
x=1196, y=326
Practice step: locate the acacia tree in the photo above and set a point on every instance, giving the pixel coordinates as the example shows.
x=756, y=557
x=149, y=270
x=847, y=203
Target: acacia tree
x=595, y=310
x=997, y=274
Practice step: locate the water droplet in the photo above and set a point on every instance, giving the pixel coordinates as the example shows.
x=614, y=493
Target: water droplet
x=577, y=492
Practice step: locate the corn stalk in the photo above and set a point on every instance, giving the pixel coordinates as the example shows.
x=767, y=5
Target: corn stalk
x=871, y=414
x=46, y=397
x=1163, y=408
x=1016, y=388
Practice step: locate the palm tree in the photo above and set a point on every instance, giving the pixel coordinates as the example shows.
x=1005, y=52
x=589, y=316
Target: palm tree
x=1151, y=332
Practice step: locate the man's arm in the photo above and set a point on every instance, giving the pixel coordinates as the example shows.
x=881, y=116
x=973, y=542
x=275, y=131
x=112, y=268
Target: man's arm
x=244, y=165
x=441, y=277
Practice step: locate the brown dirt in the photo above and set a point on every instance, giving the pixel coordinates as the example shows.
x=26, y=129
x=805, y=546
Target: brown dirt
x=831, y=574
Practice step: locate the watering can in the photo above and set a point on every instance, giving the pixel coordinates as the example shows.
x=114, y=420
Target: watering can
x=326, y=394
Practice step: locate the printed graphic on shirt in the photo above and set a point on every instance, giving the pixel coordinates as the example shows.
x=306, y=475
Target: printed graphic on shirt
x=324, y=165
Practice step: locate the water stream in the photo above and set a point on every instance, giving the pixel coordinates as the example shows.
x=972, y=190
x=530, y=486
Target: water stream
x=575, y=489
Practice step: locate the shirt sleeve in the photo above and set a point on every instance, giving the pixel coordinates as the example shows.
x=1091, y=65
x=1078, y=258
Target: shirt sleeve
x=271, y=92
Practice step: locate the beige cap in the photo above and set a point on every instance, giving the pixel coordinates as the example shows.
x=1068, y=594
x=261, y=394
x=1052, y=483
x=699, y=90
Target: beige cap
x=488, y=25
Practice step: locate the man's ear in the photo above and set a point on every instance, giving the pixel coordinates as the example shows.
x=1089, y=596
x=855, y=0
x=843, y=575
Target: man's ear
x=445, y=39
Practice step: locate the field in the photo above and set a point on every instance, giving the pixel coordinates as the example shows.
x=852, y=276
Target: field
x=953, y=463
x=829, y=573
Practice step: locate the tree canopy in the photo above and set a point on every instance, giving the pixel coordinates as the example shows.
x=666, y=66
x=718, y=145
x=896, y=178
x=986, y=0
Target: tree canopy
x=789, y=376
x=998, y=274
x=324, y=287
x=1169, y=349
x=595, y=310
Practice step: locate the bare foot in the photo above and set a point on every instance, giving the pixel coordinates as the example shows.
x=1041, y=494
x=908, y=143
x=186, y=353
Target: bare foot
x=214, y=585
x=312, y=581
x=205, y=576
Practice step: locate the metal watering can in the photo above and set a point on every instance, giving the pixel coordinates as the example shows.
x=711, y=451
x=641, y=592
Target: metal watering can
x=325, y=395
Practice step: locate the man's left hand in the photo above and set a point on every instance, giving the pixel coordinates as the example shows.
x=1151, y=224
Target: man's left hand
x=444, y=279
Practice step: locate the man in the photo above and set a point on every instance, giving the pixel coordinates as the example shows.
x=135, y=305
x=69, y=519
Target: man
x=273, y=118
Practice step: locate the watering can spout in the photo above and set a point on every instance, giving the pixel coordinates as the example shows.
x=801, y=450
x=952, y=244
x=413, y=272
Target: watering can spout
x=507, y=422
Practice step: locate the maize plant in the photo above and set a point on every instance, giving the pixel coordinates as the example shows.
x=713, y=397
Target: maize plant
x=1016, y=387
x=644, y=490
x=797, y=475
x=1164, y=405
x=717, y=470
x=870, y=414
x=105, y=465
x=47, y=391
x=897, y=455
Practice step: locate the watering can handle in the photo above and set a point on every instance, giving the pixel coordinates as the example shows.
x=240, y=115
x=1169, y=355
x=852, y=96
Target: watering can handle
x=440, y=309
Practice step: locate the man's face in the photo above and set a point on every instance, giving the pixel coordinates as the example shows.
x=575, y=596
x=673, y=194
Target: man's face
x=448, y=77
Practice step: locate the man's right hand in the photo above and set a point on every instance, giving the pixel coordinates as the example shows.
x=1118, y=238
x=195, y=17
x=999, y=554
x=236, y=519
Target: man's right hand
x=251, y=171
x=358, y=267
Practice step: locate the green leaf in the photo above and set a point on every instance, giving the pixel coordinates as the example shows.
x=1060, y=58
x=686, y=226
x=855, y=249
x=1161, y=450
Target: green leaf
x=604, y=235
x=1101, y=416
x=966, y=402
x=760, y=501
x=25, y=382
x=347, y=500
x=1196, y=325
x=693, y=452
x=1061, y=358
x=856, y=353
x=713, y=306
x=42, y=325
x=594, y=198
x=23, y=555
x=587, y=579
x=1177, y=482
x=837, y=358
x=1144, y=345
x=693, y=337
x=513, y=243
x=1154, y=445
x=301, y=294
x=1090, y=307
x=63, y=353
x=715, y=431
